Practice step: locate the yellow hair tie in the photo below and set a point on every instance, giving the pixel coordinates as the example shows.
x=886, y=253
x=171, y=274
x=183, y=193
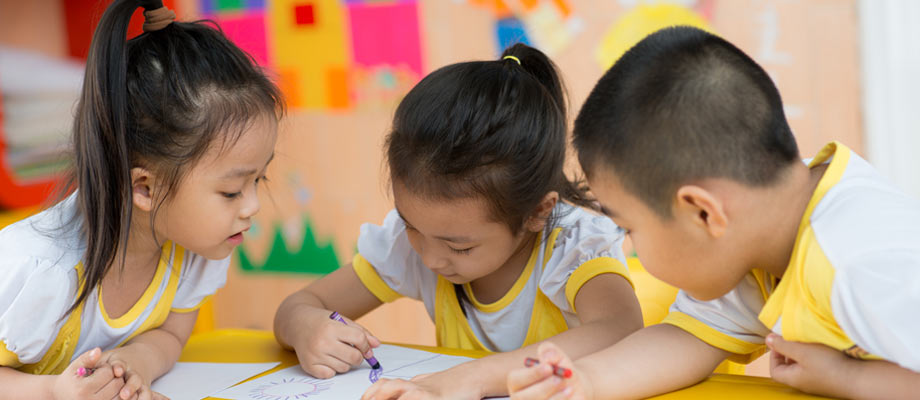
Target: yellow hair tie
x=518, y=60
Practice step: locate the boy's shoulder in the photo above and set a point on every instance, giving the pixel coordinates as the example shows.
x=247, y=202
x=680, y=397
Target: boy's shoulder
x=864, y=216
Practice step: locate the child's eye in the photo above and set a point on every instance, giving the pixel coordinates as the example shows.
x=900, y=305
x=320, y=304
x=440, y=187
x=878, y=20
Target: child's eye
x=231, y=195
x=461, y=251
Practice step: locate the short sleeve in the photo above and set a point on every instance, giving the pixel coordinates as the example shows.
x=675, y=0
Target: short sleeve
x=874, y=301
x=729, y=322
x=199, y=280
x=386, y=263
x=34, y=296
x=587, y=245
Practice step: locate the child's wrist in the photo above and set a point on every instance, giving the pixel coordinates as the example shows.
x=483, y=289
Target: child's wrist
x=849, y=379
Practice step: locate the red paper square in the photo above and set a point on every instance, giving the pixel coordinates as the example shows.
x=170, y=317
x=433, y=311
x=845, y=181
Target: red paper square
x=303, y=14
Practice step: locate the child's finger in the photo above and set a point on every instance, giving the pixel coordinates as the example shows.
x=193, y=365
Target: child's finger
x=789, y=349
x=86, y=360
x=359, y=338
x=320, y=370
x=551, y=354
x=371, y=392
x=389, y=389
x=346, y=354
x=158, y=396
x=101, y=377
x=314, y=367
x=110, y=389
x=132, y=385
x=520, y=378
x=544, y=389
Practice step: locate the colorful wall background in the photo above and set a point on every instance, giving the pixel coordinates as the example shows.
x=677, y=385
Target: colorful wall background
x=344, y=64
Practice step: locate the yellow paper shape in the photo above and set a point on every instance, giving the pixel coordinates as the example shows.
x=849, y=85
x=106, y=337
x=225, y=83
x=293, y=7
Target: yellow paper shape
x=640, y=22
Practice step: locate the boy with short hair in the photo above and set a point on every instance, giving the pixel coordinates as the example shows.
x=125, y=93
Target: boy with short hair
x=685, y=144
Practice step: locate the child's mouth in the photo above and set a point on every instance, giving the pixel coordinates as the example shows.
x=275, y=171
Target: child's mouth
x=236, y=239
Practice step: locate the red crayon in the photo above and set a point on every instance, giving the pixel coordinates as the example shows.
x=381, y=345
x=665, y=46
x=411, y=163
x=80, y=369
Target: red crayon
x=561, y=372
x=82, y=372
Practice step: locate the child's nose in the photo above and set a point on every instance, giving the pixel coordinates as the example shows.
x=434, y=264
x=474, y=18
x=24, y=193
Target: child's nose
x=433, y=261
x=251, y=206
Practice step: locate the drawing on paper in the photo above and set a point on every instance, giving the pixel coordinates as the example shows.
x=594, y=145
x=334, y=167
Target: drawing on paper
x=392, y=374
x=289, y=389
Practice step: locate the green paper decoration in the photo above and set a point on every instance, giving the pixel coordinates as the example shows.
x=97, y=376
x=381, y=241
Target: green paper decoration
x=312, y=258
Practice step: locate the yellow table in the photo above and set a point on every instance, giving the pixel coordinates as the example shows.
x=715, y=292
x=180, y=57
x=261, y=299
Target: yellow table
x=246, y=346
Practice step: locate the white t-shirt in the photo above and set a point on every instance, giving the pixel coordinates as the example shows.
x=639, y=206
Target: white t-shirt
x=40, y=281
x=853, y=282
x=502, y=325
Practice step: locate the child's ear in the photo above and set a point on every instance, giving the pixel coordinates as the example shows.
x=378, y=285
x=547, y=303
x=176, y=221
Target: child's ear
x=703, y=208
x=537, y=220
x=142, y=188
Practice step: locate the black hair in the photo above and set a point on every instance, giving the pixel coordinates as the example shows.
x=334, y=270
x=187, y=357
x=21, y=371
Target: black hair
x=489, y=129
x=495, y=130
x=157, y=101
x=684, y=105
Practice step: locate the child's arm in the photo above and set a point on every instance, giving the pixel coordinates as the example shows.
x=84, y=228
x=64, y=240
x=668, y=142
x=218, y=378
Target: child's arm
x=101, y=384
x=819, y=369
x=151, y=354
x=324, y=346
x=608, y=309
x=654, y=360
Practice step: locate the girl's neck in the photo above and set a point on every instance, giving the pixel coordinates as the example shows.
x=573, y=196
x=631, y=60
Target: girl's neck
x=141, y=250
x=492, y=287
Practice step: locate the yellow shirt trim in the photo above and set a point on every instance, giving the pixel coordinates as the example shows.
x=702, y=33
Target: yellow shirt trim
x=774, y=305
x=8, y=358
x=550, y=246
x=138, y=308
x=453, y=329
x=58, y=356
x=193, y=308
x=590, y=269
x=372, y=280
x=161, y=311
x=518, y=286
x=743, y=352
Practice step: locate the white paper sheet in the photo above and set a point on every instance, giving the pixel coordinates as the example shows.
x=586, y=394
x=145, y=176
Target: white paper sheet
x=194, y=381
x=292, y=383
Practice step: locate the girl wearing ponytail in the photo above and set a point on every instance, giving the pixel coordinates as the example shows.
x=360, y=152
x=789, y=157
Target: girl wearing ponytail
x=172, y=134
x=487, y=231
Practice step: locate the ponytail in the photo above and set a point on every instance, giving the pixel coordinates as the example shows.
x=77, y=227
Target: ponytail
x=541, y=68
x=489, y=129
x=101, y=164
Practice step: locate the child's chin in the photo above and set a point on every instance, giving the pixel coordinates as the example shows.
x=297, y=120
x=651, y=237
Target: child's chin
x=217, y=254
x=456, y=279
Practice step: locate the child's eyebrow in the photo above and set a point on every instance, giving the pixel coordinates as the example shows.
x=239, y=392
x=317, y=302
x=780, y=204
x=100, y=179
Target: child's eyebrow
x=452, y=239
x=241, y=172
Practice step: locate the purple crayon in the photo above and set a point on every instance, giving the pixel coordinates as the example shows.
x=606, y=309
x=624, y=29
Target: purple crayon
x=376, y=369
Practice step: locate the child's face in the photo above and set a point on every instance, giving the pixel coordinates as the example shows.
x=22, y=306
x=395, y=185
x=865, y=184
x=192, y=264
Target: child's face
x=456, y=238
x=213, y=204
x=676, y=250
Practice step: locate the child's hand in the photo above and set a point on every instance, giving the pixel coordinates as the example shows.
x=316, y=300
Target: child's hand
x=442, y=385
x=539, y=382
x=101, y=383
x=136, y=387
x=812, y=368
x=326, y=347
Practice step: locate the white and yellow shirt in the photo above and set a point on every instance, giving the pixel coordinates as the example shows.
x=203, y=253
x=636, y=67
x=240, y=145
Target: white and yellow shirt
x=41, y=267
x=852, y=283
x=539, y=305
